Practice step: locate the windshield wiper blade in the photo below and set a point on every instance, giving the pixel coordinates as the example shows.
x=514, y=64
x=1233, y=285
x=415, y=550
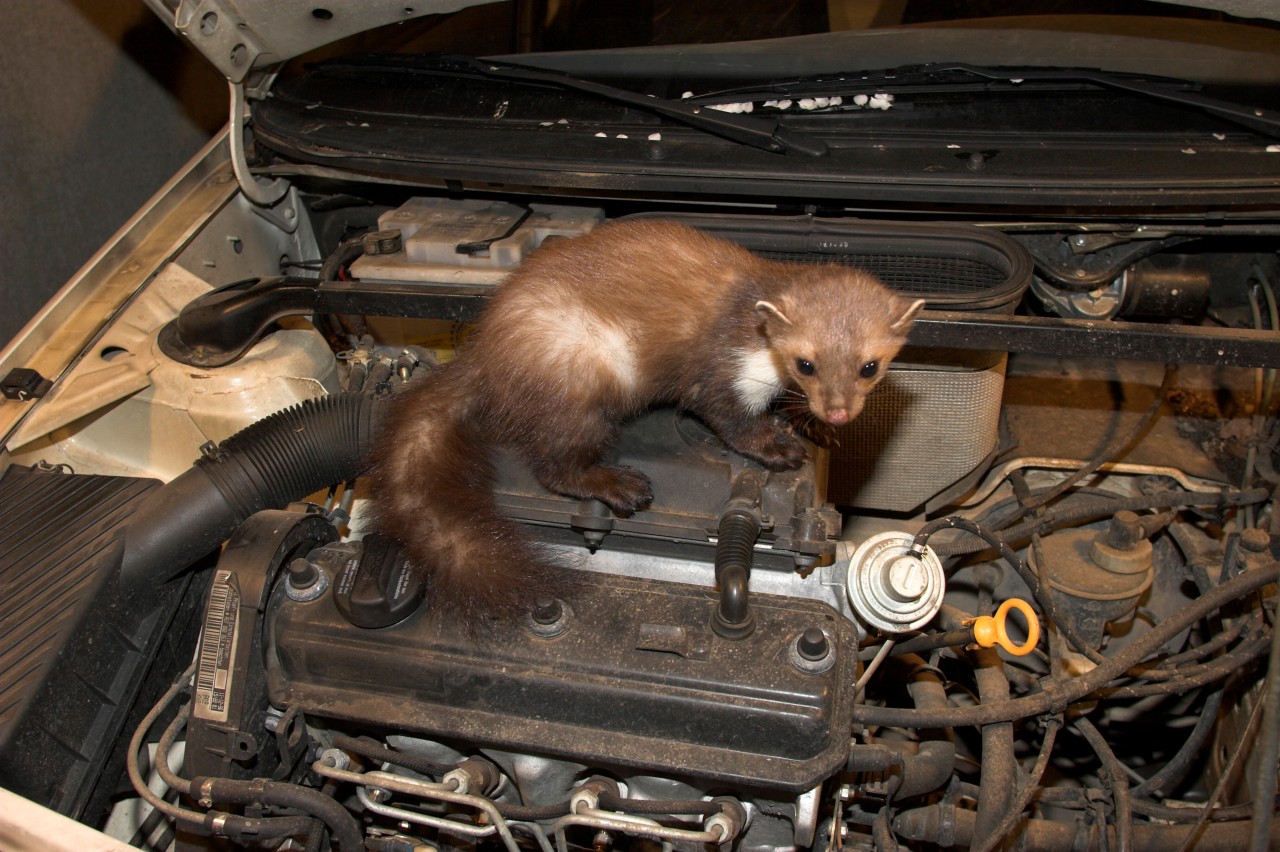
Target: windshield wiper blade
x=1170, y=90
x=1164, y=89
x=764, y=134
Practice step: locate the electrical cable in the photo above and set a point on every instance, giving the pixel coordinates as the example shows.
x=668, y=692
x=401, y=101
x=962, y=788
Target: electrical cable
x=1228, y=773
x=1197, y=676
x=1116, y=780
x=1175, y=769
x=1024, y=571
x=1061, y=692
x=1265, y=780
x=1105, y=507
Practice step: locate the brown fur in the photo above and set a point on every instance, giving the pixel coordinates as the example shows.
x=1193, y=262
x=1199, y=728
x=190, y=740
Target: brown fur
x=587, y=333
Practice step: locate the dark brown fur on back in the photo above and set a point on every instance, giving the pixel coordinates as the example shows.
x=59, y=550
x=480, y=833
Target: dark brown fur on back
x=587, y=333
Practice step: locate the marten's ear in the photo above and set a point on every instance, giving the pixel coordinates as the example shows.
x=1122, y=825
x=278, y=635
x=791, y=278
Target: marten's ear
x=901, y=324
x=771, y=313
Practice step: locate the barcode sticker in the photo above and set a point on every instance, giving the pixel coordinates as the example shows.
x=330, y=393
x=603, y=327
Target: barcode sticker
x=218, y=648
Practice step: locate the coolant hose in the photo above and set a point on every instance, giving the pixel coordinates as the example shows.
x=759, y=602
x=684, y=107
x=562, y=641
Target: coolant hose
x=999, y=770
x=266, y=465
x=931, y=767
x=343, y=827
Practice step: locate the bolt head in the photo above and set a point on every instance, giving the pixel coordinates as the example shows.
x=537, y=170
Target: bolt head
x=813, y=644
x=547, y=610
x=303, y=574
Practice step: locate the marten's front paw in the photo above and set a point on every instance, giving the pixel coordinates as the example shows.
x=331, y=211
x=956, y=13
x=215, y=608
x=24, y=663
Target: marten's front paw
x=625, y=490
x=782, y=451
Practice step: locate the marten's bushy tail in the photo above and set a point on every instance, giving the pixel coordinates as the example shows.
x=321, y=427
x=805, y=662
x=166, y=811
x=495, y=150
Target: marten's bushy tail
x=433, y=489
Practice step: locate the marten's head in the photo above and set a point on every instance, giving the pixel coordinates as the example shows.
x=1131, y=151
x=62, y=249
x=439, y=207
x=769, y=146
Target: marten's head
x=834, y=333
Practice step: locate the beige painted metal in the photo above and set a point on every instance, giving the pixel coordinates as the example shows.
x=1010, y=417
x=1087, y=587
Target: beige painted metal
x=28, y=827
x=57, y=336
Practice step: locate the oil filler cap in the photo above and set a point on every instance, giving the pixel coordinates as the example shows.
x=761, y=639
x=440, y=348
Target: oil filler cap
x=379, y=587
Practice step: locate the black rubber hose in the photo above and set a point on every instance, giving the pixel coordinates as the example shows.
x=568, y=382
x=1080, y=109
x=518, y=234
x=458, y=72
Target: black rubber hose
x=1116, y=781
x=1101, y=508
x=931, y=823
x=696, y=807
x=1004, y=828
x=1264, y=790
x=258, y=828
x=1172, y=773
x=342, y=825
x=533, y=813
x=374, y=750
x=266, y=465
x=999, y=770
x=1061, y=692
x=735, y=552
x=932, y=766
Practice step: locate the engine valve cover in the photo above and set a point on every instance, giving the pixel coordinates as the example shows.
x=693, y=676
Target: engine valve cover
x=626, y=673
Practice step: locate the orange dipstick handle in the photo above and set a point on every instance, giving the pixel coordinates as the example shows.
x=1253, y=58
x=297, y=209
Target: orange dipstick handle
x=991, y=630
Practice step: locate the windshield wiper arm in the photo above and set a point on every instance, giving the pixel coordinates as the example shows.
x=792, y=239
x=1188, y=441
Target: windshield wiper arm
x=1256, y=118
x=761, y=133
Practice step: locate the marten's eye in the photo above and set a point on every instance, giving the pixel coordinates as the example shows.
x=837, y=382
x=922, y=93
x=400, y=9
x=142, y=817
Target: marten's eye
x=869, y=369
x=805, y=368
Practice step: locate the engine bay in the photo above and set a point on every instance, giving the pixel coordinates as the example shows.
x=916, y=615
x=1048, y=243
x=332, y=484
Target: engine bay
x=1025, y=600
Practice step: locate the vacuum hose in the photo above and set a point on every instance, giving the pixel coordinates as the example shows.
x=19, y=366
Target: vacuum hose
x=266, y=465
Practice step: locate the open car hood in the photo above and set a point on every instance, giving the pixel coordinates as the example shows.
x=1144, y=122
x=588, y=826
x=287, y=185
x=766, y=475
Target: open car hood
x=242, y=36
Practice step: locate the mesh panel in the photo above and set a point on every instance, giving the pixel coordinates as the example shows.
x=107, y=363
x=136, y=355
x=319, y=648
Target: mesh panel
x=921, y=431
x=960, y=276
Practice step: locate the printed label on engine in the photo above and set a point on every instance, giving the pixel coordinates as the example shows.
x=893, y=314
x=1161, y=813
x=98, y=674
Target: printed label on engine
x=218, y=648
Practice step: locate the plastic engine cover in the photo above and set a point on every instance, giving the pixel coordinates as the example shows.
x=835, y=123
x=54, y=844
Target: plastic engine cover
x=629, y=675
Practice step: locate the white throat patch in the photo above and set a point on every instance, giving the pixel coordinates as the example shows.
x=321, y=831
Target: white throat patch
x=759, y=381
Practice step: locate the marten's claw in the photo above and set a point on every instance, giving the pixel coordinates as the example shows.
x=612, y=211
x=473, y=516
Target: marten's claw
x=625, y=490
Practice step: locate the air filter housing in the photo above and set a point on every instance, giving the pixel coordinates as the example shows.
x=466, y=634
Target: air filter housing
x=932, y=422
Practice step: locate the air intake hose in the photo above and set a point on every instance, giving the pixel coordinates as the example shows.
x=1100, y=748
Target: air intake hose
x=266, y=465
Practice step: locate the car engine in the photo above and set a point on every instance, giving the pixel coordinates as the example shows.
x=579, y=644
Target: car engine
x=1026, y=600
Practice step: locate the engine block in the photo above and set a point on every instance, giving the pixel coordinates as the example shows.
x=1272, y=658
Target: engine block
x=627, y=673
